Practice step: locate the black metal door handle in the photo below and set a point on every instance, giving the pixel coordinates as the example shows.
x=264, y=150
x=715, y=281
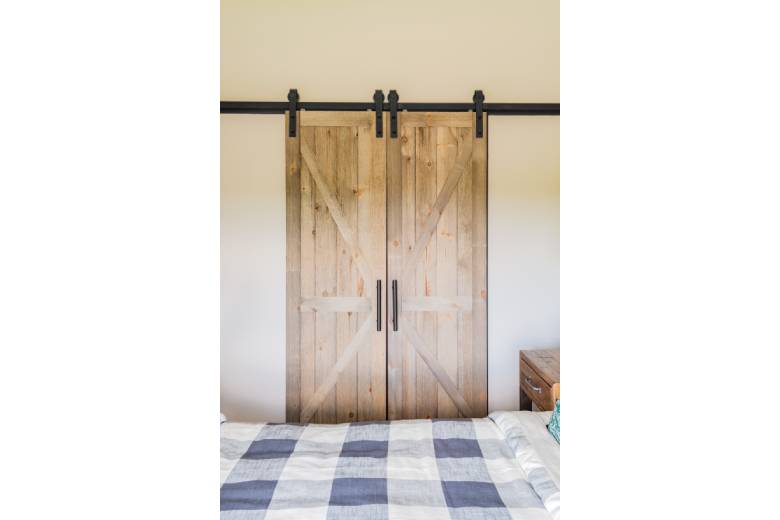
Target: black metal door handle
x=395, y=304
x=379, y=305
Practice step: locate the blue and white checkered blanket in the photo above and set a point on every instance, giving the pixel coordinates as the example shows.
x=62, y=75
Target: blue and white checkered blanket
x=440, y=469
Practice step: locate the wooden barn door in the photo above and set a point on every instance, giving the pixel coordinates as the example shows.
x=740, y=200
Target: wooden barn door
x=336, y=244
x=436, y=243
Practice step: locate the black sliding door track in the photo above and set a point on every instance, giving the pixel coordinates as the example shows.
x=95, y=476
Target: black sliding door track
x=494, y=109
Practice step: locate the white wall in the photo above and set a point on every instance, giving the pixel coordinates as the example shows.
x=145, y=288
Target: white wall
x=341, y=51
x=252, y=267
x=523, y=247
x=428, y=50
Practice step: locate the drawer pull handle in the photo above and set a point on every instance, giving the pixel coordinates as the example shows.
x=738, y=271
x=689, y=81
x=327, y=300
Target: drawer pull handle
x=537, y=389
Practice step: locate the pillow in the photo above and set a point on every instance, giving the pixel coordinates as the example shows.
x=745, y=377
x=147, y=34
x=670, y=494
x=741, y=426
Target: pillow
x=555, y=422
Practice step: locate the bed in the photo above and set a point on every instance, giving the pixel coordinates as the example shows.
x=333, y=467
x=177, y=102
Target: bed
x=505, y=466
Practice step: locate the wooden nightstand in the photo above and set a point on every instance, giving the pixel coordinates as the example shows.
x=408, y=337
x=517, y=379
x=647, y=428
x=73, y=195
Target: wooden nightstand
x=540, y=378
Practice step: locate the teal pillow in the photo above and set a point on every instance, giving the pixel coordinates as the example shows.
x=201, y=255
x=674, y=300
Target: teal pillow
x=555, y=422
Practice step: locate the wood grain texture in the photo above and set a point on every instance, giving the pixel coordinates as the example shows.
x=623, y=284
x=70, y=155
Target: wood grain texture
x=327, y=202
x=346, y=304
x=465, y=366
x=413, y=209
x=293, y=271
x=372, y=218
x=438, y=119
x=436, y=303
x=424, y=257
x=347, y=273
x=437, y=270
x=335, y=119
x=536, y=387
x=342, y=191
x=395, y=342
x=326, y=386
x=430, y=212
x=479, y=269
x=378, y=202
x=407, y=287
x=546, y=362
x=322, y=169
x=429, y=358
x=446, y=266
x=308, y=259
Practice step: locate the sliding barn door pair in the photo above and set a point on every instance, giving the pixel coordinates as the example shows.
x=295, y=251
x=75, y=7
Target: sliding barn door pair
x=386, y=268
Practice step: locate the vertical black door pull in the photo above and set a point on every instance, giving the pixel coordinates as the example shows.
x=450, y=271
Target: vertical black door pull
x=379, y=305
x=395, y=305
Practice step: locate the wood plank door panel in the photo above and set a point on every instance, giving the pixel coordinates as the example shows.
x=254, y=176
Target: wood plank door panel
x=336, y=253
x=437, y=252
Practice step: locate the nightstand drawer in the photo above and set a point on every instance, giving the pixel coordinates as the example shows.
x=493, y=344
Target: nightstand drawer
x=536, y=387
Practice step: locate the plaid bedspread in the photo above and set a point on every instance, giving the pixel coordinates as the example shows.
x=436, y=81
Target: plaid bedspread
x=440, y=469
